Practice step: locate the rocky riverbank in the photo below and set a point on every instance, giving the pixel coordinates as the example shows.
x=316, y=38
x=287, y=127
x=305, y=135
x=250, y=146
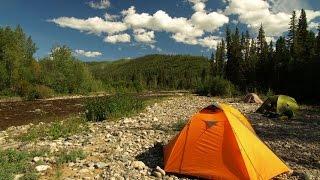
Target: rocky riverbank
x=131, y=148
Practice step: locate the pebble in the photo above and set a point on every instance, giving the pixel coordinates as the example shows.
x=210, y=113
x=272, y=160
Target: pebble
x=130, y=147
x=41, y=168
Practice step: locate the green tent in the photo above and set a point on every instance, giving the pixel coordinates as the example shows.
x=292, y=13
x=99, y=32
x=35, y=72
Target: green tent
x=279, y=105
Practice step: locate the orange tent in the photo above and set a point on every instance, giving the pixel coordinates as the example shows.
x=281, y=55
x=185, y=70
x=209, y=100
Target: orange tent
x=219, y=143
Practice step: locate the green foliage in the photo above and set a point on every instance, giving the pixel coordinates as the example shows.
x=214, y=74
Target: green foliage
x=71, y=156
x=38, y=92
x=290, y=68
x=14, y=162
x=152, y=72
x=55, y=130
x=103, y=108
x=65, y=74
x=218, y=86
x=22, y=75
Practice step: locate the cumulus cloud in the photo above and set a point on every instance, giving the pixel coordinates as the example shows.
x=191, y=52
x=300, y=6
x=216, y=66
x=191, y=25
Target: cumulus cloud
x=210, y=42
x=87, y=53
x=160, y=21
x=144, y=25
x=93, y=25
x=253, y=13
x=102, y=4
x=122, y=38
x=198, y=5
x=111, y=17
x=141, y=35
x=313, y=25
x=287, y=6
x=209, y=22
x=182, y=29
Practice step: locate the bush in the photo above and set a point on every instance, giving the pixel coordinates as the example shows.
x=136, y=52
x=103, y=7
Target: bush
x=217, y=87
x=39, y=92
x=100, y=109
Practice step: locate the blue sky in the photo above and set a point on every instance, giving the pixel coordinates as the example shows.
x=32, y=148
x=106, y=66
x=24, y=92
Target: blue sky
x=134, y=28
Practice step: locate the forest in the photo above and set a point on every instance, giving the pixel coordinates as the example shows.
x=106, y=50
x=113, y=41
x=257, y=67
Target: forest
x=291, y=65
x=241, y=63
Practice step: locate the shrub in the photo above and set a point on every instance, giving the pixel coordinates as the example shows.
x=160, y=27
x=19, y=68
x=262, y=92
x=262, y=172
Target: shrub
x=222, y=87
x=39, y=92
x=72, y=156
x=217, y=86
x=116, y=106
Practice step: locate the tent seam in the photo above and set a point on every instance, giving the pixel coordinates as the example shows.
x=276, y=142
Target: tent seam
x=245, y=150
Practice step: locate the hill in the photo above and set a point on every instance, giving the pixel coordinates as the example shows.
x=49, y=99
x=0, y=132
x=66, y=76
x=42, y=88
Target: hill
x=152, y=72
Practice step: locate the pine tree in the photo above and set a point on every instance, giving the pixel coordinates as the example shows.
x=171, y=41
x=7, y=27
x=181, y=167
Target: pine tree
x=220, y=58
x=247, y=46
x=292, y=36
x=262, y=70
x=281, y=62
x=302, y=35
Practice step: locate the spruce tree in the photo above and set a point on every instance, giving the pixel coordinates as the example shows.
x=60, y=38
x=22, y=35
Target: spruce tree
x=302, y=35
x=292, y=36
x=262, y=71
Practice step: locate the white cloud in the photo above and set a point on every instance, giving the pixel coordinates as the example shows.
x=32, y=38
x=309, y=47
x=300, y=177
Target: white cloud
x=87, y=53
x=141, y=35
x=102, y=4
x=313, y=25
x=209, y=22
x=180, y=37
x=122, y=38
x=160, y=21
x=210, y=41
x=257, y=12
x=144, y=25
x=288, y=6
x=111, y=17
x=198, y=5
x=269, y=39
x=93, y=25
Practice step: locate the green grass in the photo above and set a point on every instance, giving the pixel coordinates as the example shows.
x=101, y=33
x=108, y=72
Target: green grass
x=13, y=162
x=54, y=130
x=71, y=156
x=113, y=107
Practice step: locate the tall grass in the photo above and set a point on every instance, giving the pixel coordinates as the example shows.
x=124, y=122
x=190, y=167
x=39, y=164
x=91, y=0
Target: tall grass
x=100, y=109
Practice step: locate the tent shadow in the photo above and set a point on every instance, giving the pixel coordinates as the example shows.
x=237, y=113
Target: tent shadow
x=153, y=156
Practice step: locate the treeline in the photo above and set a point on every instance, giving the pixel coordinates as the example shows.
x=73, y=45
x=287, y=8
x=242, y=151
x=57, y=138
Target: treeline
x=291, y=65
x=153, y=72
x=21, y=74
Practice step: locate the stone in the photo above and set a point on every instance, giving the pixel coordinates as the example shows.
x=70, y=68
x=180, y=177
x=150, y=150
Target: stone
x=36, y=159
x=163, y=173
x=157, y=174
x=100, y=165
x=41, y=168
x=38, y=111
x=84, y=170
x=138, y=165
x=18, y=176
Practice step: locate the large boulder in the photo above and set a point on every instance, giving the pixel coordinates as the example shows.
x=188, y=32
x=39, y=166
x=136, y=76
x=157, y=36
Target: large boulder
x=252, y=98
